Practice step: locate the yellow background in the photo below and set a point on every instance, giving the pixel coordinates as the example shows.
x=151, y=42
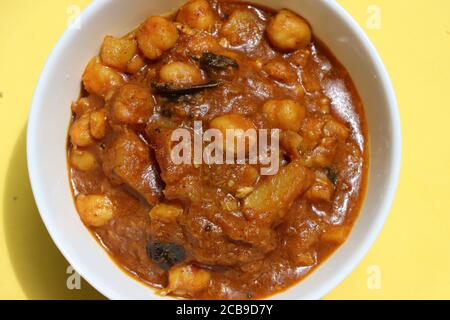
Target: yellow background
x=411, y=257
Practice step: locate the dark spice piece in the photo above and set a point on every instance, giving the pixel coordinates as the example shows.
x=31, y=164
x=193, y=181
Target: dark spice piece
x=166, y=255
x=213, y=61
x=171, y=90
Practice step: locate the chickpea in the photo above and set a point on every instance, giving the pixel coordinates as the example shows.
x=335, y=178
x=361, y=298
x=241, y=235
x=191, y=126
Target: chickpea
x=97, y=124
x=156, y=35
x=95, y=210
x=136, y=64
x=83, y=160
x=333, y=128
x=202, y=42
x=187, y=280
x=232, y=121
x=167, y=213
x=118, y=53
x=180, y=73
x=197, y=14
x=235, y=122
x=280, y=70
x=79, y=132
x=132, y=104
x=287, y=31
x=284, y=114
x=87, y=104
x=243, y=27
x=99, y=79
x=312, y=129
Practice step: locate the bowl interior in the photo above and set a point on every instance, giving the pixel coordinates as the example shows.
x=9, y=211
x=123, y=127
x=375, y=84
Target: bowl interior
x=60, y=84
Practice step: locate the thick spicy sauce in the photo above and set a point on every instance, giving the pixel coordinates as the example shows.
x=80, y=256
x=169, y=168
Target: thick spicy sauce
x=205, y=231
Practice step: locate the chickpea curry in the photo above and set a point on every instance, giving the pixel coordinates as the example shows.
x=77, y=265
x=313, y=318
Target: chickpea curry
x=218, y=231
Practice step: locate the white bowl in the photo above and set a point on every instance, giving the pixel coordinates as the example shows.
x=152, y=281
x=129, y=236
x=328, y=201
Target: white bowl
x=60, y=84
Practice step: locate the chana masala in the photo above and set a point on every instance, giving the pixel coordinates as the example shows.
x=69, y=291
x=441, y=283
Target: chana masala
x=218, y=231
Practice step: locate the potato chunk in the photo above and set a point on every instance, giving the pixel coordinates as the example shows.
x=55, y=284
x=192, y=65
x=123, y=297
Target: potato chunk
x=197, y=14
x=323, y=155
x=128, y=160
x=294, y=143
x=156, y=35
x=118, y=53
x=99, y=79
x=187, y=281
x=284, y=114
x=322, y=189
x=95, y=210
x=336, y=234
x=275, y=194
x=287, y=31
x=161, y=141
x=236, y=179
x=132, y=104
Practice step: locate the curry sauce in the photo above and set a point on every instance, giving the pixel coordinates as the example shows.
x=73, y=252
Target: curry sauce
x=218, y=231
